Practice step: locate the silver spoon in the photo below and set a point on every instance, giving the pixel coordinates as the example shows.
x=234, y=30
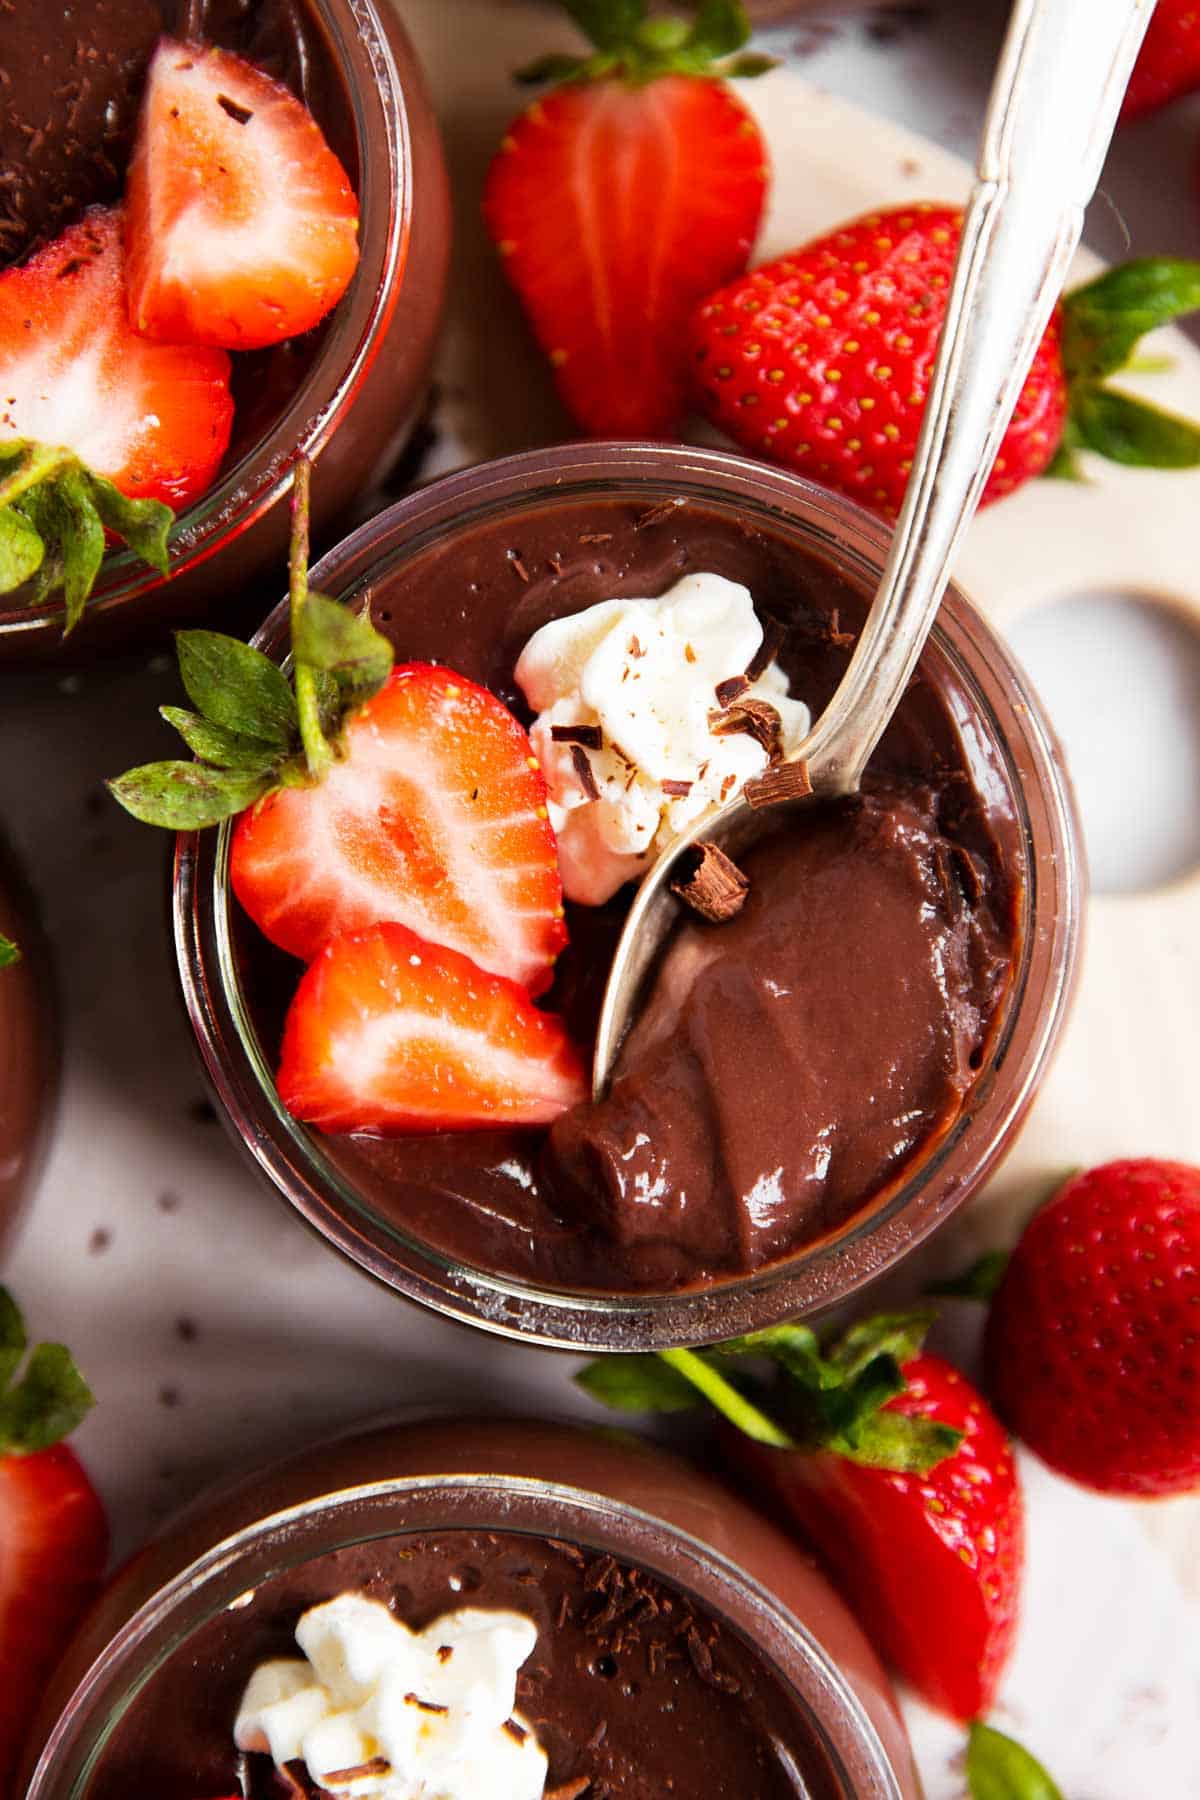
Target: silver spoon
x=1051, y=114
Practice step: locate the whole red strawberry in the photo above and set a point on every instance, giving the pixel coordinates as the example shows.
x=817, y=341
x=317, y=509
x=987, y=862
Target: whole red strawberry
x=53, y=1533
x=895, y=1467
x=822, y=360
x=1093, y=1339
x=1168, y=63
x=622, y=198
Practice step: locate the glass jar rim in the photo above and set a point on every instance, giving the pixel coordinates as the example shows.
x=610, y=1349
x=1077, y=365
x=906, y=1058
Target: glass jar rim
x=262, y=474
x=818, y=1274
x=500, y=1503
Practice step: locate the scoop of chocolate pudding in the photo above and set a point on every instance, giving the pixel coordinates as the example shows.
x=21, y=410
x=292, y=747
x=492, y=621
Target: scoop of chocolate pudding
x=792, y=1065
x=791, y=1061
x=632, y=1690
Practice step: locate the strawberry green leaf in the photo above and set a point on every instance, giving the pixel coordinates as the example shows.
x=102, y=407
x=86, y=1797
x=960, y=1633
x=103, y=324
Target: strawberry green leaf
x=330, y=637
x=891, y=1440
x=644, y=1384
x=897, y=1335
x=187, y=796
x=720, y=27
x=1103, y=321
x=750, y=62
x=979, y=1282
x=21, y=549
x=998, y=1768
x=554, y=66
x=1127, y=431
x=81, y=543
x=214, y=744
x=13, y=1339
x=237, y=687
x=9, y=952
x=143, y=524
x=47, y=1402
x=609, y=24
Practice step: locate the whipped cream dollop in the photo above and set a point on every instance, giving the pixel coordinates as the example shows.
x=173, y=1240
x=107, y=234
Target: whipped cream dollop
x=376, y=1709
x=634, y=729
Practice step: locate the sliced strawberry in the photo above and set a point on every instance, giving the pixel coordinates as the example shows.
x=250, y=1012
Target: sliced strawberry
x=434, y=816
x=241, y=227
x=392, y=1035
x=53, y=1547
x=154, y=418
x=617, y=204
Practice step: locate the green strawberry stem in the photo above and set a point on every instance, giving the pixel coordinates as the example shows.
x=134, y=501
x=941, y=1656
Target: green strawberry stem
x=317, y=753
x=54, y=514
x=10, y=953
x=631, y=43
x=1102, y=324
x=998, y=1768
x=41, y=1404
x=833, y=1397
x=252, y=730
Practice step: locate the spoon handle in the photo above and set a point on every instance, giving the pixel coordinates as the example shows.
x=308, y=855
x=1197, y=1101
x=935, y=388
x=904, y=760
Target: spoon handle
x=1052, y=111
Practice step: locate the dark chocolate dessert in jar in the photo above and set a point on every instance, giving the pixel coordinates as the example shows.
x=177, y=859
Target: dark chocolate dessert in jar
x=348, y=391
x=28, y=1044
x=809, y=1087
x=501, y=1609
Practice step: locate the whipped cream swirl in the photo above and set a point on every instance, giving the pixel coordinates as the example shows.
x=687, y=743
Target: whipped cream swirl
x=377, y=1710
x=627, y=695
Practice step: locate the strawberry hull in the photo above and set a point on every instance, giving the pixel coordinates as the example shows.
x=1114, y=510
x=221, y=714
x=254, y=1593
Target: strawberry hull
x=348, y=392
x=485, y=1226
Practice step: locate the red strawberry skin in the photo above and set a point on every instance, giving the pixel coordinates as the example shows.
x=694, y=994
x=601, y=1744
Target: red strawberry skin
x=821, y=361
x=53, y=1547
x=435, y=817
x=932, y=1563
x=393, y=1036
x=154, y=418
x=616, y=206
x=241, y=224
x=1168, y=63
x=1093, y=1339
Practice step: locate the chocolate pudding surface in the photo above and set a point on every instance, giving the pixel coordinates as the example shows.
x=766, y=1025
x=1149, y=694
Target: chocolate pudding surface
x=71, y=95
x=630, y=1685
x=789, y=1067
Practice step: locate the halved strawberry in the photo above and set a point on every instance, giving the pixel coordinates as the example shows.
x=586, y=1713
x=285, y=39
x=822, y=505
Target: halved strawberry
x=152, y=418
x=391, y=1035
x=434, y=816
x=241, y=224
x=53, y=1534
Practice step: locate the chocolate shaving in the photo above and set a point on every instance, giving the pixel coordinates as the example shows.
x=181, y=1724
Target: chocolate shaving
x=757, y=718
x=598, y=1736
x=301, y=1783
x=967, y=870
x=556, y=563
x=706, y=1669
x=843, y=640
x=635, y=647
x=585, y=772
x=710, y=883
x=572, y=1552
x=514, y=557
x=595, y=537
x=515, y=1731
x=656, y=514
x=678, y=790
x=431, y=1706
x=564, y=1610
x=569, y=1790
x=445, y=1652
x=772, y=641
x=732, y=689
x=241, y=115
x=377, y=1765
x=786, y=781
x=590, y=736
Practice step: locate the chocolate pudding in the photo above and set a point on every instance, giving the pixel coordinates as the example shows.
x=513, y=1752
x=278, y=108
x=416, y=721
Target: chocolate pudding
x=791, y=1066
x=656, y=1668
x=72, y=90
x=28, y=1047
x=629, y=1685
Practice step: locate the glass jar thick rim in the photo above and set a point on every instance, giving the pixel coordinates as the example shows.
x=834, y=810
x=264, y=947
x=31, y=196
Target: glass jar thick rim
x=821, y=1274
x=450, y=1502
x=262, y=475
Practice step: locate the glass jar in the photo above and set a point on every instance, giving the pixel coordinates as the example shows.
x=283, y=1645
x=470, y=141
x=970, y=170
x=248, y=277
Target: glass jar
x=601, y=1492
x=357, y=401
x=1013, y=757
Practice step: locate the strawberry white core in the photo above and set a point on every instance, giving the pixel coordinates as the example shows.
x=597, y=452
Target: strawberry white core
x=400, y=1714
x=643, y=675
